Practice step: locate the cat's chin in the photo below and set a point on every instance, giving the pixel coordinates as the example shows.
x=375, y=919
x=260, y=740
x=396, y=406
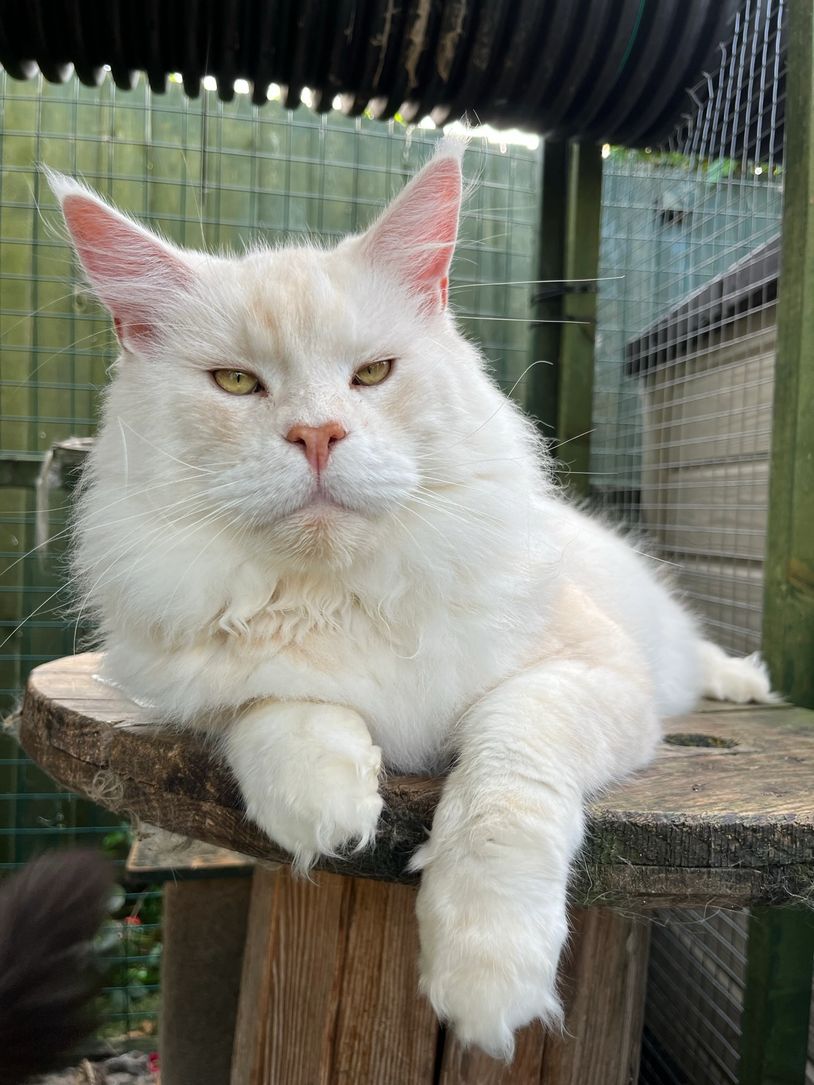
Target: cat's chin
x=325, y=532
x=323, y=507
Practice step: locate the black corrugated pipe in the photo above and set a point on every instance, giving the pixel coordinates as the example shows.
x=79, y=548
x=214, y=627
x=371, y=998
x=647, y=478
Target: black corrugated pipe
x=615, y=70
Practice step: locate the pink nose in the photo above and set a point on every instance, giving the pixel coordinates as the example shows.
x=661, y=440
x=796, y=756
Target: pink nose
x=317, y=442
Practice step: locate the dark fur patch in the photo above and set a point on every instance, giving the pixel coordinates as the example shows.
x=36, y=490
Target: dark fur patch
x=49, y=913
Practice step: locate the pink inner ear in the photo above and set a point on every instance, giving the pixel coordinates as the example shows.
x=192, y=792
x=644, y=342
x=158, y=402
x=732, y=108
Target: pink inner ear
x=128, y=267
x=416, y=236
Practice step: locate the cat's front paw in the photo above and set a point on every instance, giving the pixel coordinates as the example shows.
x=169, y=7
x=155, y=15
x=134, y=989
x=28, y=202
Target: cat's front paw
x=491, y=937
x=309, y=774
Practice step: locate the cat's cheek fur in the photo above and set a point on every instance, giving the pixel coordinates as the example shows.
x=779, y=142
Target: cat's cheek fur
x=309, y=774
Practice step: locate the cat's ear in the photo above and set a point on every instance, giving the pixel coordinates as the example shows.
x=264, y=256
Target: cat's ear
x=132, y=272
x=415, y=237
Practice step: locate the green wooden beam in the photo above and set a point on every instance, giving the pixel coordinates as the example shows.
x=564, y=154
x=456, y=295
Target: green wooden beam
x=576, y=369
x=542, y=394
x=788, y=621
x=777, y=999
x=561, y=394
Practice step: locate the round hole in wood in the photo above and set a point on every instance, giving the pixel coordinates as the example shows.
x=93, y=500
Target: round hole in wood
x=690, y=738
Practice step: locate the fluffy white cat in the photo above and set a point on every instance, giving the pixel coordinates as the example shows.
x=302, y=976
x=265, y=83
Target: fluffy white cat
x=312, y=524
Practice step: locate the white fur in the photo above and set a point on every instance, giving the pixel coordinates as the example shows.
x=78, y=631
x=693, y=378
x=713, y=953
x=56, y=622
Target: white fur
x=309, y=774
x=452, y=603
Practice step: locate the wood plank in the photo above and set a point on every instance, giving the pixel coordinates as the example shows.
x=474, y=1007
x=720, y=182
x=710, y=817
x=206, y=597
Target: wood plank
x=204, y=936
x=308, y=949
x=543, y=380
x=251, y=1043
x=330, y=986
x=730, y=819
x=385, y=1032
x=788, y=622
x=576, y=362
x=605, y=979
x=295, y=953
x=468, y=1066
x=777, y=997
x=781, y=945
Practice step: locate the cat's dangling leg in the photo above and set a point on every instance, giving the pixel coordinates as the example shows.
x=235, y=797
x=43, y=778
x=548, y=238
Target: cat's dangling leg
x=309, y=774
x=492, y=903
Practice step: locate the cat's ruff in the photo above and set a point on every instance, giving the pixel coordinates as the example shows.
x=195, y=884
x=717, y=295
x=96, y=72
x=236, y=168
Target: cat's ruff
x=418, y=587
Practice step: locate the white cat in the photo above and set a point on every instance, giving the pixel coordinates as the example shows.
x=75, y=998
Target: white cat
x=312, y=524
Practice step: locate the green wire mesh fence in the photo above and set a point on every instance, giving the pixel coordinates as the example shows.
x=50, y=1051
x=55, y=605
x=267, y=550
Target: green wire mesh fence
x=684, y=377
x=207, y=174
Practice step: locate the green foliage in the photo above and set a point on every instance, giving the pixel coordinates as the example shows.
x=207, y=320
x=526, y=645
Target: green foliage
x=130, y=946
x=712, y=169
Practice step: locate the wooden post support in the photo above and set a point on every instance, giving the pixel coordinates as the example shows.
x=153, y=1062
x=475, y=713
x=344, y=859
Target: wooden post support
x=204, y=935
x=777, y=999
x=541, y=400
x=329, y=991
x=561, y=395
x=330, y=994
x=788, y=622
x=575, y=406
x=206, y=905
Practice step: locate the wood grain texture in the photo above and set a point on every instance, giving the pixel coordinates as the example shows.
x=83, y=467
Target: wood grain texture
x=468, y=1066
x=330, y=986
x=604, y=981
x=727, y=824
x=385, y=1030
x=251, y=1043
x=293, y=961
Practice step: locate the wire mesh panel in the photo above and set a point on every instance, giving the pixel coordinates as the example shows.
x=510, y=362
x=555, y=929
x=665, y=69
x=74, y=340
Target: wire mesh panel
x=695, y=998
x=682, y=416
x=207, y=174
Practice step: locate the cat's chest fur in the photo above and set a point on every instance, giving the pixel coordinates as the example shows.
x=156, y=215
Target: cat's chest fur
x=410, y=665
x=410, y=672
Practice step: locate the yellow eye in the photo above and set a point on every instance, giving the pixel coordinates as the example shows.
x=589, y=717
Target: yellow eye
x=374, y=373
x=236, y=382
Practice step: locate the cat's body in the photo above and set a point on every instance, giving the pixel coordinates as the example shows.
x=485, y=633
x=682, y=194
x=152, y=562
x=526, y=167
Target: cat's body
x=320, y=570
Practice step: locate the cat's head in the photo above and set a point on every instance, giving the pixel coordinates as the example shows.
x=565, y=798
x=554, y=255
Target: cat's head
x=304, y=392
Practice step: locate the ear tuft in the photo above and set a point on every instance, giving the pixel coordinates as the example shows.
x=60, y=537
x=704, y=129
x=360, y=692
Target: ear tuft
x=415, y=237
x=131, y=271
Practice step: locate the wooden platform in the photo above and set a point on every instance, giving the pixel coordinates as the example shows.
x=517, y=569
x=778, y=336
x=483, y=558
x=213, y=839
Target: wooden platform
x=724, y=816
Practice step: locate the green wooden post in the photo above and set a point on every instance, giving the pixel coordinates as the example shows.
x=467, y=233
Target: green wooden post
x=575, y=406
x=562, y=394
x=774, y=1026
x=788, y=621
x=777, y=999
x=541, y=400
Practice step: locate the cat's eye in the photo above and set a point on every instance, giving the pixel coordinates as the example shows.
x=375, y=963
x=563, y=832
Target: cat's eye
x=373, y=372
x=236, y=382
